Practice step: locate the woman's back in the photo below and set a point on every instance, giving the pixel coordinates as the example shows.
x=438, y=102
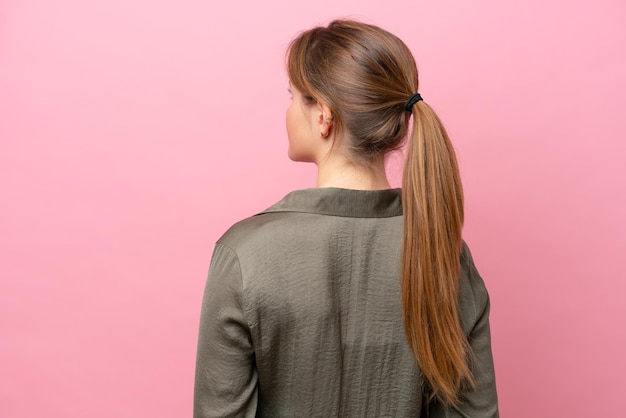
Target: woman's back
x=303, y=317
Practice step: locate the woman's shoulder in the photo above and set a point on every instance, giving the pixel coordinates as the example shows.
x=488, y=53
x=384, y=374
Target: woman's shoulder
x=260, y=229
x=249, y=231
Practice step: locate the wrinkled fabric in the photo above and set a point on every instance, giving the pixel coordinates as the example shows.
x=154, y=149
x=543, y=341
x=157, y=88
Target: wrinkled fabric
x=302, y=316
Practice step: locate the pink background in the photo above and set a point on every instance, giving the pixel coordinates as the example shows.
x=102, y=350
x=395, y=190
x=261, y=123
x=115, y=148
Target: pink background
x=133, y=133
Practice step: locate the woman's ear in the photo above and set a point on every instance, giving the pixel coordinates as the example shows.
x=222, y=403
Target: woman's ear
x=325, y=119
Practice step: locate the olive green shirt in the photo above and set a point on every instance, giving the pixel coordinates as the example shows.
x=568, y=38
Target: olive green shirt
x=302, y=316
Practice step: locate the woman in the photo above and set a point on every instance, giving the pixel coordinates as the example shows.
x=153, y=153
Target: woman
x=346, y=300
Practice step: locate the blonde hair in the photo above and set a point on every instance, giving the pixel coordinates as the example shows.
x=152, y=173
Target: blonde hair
x=365, y=75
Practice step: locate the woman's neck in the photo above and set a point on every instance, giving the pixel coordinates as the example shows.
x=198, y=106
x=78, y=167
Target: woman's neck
x=338, y=171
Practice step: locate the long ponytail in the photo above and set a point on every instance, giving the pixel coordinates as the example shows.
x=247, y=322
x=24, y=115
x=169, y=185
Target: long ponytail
x=433, y=218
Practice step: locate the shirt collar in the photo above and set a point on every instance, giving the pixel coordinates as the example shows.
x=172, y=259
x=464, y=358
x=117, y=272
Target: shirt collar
x=342, y=202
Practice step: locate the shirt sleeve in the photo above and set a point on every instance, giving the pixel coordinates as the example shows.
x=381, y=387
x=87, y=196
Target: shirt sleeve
x=482, y=401
x=226, y=377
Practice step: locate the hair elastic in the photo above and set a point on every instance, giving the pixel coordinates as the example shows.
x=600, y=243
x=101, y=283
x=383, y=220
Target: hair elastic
x=408, y=106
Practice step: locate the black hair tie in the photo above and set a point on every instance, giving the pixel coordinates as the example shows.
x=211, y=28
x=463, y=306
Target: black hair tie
x=408, y=106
